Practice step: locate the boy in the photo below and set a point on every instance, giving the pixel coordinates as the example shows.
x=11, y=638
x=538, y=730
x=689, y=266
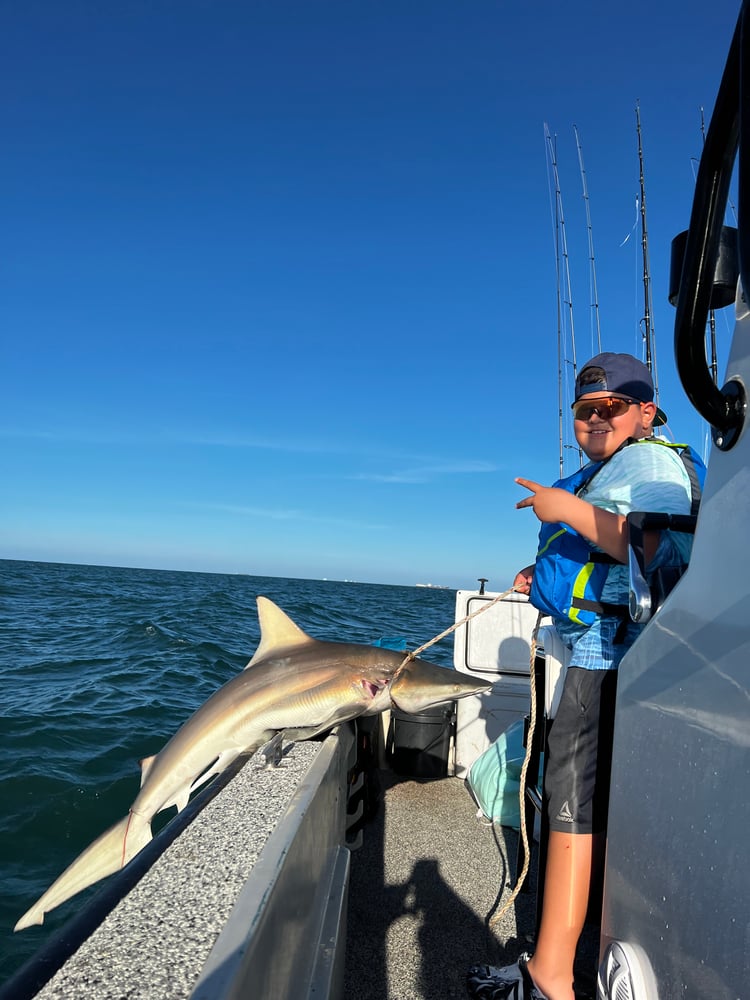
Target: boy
x=614, y=414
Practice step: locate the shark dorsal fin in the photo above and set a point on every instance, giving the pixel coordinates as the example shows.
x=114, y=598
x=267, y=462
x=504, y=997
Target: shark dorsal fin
x=277, y=631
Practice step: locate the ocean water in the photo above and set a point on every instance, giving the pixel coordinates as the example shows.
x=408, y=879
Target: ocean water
x=99, y=666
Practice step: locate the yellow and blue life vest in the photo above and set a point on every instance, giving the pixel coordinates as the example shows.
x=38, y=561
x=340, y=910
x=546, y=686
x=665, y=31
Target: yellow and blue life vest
x=570, y=574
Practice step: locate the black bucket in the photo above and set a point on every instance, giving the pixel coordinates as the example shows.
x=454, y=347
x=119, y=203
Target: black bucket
x=418, y=745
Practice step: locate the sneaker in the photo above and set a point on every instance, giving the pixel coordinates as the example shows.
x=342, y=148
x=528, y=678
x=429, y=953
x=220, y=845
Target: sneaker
x=512, y=982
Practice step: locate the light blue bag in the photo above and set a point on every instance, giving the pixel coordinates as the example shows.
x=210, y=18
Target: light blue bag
x=495, y=777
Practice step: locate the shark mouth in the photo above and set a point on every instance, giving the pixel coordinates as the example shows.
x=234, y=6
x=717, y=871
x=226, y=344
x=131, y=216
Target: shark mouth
x=373, y=688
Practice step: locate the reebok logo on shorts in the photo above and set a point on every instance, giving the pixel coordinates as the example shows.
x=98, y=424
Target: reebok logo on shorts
x=565, y=815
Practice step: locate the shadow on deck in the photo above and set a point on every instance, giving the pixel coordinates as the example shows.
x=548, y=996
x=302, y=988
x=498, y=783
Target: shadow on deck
x=425, y=884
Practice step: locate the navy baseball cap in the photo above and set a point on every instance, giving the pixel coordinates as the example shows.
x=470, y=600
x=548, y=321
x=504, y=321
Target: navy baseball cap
x=623, y=375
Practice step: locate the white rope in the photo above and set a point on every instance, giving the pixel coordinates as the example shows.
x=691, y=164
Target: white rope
x=524, y=833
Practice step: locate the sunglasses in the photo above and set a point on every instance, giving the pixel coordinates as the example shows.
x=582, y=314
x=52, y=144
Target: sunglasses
x=610, y=406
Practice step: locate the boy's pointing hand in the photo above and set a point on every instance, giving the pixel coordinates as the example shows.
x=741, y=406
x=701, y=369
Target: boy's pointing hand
x=547, y=502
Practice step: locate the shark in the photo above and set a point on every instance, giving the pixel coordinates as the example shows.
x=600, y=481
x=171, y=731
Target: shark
x=293, y=684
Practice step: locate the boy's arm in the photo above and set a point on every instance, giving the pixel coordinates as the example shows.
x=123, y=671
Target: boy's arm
x=604, y=529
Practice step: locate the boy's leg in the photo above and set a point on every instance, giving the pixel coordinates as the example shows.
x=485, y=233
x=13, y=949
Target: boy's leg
x=566, y=897
x=568, y=880
x=576, y=782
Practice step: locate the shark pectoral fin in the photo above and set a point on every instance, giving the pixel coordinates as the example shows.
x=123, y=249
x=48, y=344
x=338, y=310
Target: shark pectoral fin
x=182, y=796
x=146, y=765
x=107, y=854
x=344, y=714
x=299, y=734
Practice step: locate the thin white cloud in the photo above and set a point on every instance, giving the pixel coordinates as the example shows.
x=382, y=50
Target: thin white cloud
x=107, y=436
x=427, y=470
x=38, y=435
x=260, y=442
x=427, y=473
x=279, y=514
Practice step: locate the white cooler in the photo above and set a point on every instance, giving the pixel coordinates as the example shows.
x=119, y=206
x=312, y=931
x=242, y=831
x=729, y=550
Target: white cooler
x=495, y=645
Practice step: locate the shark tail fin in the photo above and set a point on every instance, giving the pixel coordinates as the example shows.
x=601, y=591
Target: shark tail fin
x=106, y=855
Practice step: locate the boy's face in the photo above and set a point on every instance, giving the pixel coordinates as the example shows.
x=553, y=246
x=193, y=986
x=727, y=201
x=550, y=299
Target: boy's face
x=601, y=434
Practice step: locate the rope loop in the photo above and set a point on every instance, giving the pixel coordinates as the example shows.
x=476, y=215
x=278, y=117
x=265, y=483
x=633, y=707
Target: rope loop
x=413, y=654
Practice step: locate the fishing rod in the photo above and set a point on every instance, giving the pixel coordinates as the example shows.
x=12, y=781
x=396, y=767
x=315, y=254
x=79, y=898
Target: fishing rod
x=562, y=271
x=647, y=324
x=592, y=263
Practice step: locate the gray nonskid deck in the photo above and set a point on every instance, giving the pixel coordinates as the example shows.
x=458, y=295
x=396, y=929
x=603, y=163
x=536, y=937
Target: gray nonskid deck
x=424, y=885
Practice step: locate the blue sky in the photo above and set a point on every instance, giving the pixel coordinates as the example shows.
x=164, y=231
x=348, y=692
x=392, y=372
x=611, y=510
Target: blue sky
x=278, y=291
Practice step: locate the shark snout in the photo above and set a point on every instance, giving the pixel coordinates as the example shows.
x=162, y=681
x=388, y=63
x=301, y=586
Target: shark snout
x=420, y=685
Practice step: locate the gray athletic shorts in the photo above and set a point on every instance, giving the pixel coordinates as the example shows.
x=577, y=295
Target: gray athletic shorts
x=579, y=752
